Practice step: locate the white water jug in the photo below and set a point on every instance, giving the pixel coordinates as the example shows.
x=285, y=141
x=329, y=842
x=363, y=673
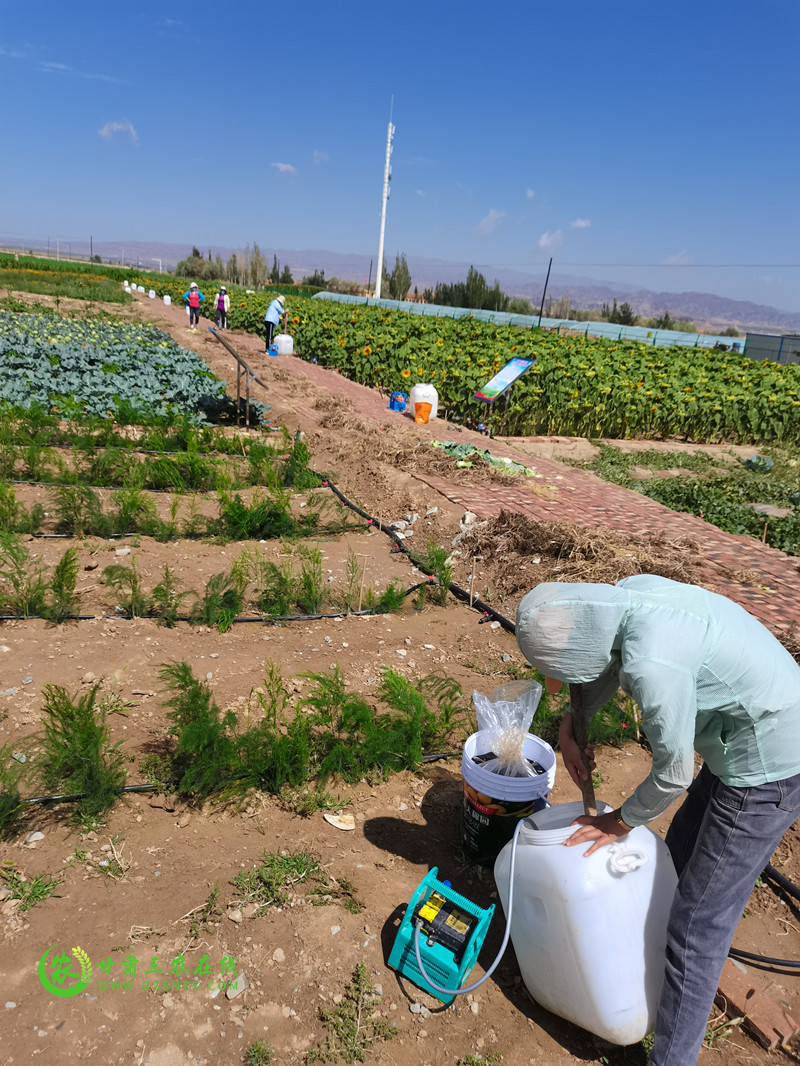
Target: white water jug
x=590, y=933
x=424, y=394
x=284, y=343
x=167, y=299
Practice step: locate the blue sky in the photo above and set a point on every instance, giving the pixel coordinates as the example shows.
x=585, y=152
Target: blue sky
x=635, y=141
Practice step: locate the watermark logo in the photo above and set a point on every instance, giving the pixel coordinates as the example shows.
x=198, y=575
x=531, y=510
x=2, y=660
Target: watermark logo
x=58, y=975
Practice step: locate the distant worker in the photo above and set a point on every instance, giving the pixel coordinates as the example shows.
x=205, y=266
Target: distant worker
x=273, y=316
x=222, y=304
x=193, y=298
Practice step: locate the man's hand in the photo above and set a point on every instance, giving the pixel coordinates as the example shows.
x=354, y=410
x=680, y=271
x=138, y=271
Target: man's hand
x=571, y=753
x=602, y=830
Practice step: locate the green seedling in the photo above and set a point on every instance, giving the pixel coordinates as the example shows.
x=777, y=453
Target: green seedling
x=14, y=768
x=79, y=511
x=127, y=583
x=219, y=604
x=166, y=599
x=207, y=914
x=353, y=1026
x=64, y=601
x=23, y=590
x=77, y=755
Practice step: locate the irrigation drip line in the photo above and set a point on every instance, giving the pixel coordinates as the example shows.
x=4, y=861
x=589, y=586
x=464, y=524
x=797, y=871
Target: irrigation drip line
x=75, y=796
x=489, y=613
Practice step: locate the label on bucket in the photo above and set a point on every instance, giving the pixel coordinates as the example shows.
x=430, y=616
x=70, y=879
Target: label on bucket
x=487, y=824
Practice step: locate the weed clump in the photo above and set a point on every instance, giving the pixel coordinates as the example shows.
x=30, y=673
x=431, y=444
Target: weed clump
x=353, y=1025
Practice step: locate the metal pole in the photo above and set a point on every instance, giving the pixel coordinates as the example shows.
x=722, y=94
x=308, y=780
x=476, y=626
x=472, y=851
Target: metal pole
x=544, y=292
x=387, y=176
x=369, y=283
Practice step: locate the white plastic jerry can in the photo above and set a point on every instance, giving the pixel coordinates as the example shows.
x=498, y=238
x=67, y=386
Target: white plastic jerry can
x=284, y=342
x=424, y=402
x=590, y=933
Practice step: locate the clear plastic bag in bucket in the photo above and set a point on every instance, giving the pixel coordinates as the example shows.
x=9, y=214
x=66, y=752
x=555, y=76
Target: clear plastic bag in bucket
x=505, y=717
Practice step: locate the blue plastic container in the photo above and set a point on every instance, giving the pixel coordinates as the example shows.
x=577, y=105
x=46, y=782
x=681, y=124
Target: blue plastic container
x=397, y=401
x=273, y=349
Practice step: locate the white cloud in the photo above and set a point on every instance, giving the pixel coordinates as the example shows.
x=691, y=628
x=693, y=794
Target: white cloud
x=552, y=239
x=490, y=223
x=284, y=168
x=119, y=127
x=420, y=192
x=320, y=157
x=678, y=259
x=580, y=223
x=54, y=66
x=12, y=53
x=530, y=193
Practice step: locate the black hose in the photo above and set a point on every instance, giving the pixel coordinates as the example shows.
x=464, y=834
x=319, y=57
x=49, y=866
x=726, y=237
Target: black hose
x=783, y=882
x=460, y=594
x=72, y=797
x=764, y=960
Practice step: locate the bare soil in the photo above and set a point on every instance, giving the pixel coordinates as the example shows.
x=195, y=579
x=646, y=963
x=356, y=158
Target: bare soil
x=298, y=958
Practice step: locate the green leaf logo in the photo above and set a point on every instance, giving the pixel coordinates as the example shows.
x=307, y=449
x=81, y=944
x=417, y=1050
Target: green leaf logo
x=59, y=978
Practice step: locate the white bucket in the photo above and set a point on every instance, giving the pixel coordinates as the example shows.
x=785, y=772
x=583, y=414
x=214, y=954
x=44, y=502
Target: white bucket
x=152, y=294
x=127, y=284
x=284, y=343
x=494, y=803
x=167, y=300
x=140, y=288
x=590, y=933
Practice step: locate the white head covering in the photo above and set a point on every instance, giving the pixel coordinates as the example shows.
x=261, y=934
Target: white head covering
x=569, y=631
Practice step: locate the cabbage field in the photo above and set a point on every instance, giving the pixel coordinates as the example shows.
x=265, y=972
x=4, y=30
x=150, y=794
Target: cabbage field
x=100, y=368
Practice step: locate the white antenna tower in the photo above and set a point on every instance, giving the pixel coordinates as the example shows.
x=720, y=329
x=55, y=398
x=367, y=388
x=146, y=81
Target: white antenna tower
x=387, y=177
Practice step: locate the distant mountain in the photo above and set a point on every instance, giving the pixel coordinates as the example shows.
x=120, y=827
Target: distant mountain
x=706, y=310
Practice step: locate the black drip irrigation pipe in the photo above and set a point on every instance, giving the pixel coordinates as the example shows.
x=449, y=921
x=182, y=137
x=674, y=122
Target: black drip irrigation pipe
x=489, y=613
x=75, y=796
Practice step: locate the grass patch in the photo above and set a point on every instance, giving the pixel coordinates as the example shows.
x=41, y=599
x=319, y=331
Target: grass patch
x=259, y=1054
x=267, y=884
x=28, y=892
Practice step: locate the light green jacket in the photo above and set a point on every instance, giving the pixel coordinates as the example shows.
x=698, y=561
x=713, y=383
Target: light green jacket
x=707, y=676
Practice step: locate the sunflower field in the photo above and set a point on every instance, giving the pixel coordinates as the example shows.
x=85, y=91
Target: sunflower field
x=578, y=386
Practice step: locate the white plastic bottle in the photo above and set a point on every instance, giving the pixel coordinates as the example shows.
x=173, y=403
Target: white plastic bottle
x=590, y=933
